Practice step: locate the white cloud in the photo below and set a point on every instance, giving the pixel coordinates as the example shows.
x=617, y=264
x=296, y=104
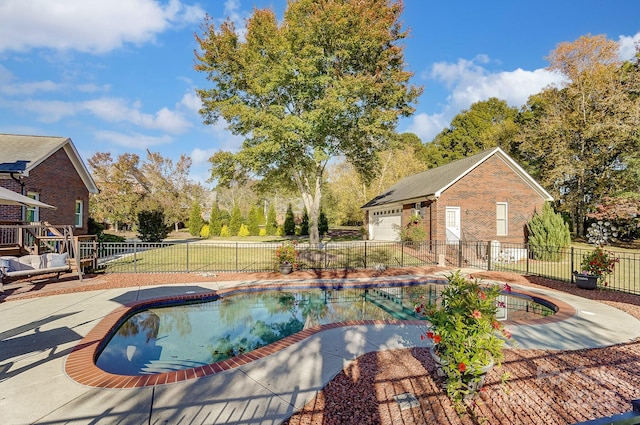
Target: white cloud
x=118, y=110
x=426, y=126
x=201, y=156
x=191, y=101
x=9, y=85
x=469, y=82
x=94, y=26
x=48, y=111
x=133, y=141
x=627, y=50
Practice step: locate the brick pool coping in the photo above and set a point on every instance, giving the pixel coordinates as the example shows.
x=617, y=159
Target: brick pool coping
x=80, y=364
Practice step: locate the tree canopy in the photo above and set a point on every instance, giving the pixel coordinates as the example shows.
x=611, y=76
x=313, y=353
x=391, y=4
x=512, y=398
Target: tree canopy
x=576, y=139
x=485, y=125
x=328, y=80
x=129, y=185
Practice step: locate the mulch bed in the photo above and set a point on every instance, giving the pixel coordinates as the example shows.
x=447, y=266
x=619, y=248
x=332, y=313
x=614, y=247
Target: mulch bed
x=545, y=386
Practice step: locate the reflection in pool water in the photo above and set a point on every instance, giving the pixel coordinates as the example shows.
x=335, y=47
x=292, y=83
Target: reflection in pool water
x=181, y=336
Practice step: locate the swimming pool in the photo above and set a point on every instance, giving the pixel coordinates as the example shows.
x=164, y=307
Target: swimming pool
x=176, y=335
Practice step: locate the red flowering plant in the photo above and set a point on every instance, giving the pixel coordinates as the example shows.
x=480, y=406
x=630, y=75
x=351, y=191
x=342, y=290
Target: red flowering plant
x=287, y=254
x=599, y=262
x=467, y=337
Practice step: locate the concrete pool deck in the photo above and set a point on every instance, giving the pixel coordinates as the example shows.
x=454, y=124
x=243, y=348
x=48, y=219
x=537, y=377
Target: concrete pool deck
x=37, y=335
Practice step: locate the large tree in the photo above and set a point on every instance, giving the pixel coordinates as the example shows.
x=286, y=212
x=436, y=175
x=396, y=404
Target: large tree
x=129, y=185
x=348, y=191
x=327, y=80
x=486, y=124
x=575, y=139
x=120, y=192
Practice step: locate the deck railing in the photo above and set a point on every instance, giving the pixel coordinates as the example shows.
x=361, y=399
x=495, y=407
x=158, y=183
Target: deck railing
x=209, y=257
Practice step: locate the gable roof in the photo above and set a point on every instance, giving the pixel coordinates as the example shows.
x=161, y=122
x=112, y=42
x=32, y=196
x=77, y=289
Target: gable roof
x=431, y=183
x=21, y=154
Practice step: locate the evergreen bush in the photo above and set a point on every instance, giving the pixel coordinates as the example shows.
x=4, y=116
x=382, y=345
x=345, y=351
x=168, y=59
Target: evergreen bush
x=195, y=219
x=323, y=224
x=289, y=223
x=235, y=221
x=548, y=234
x=215, y=224
x=151, y=226
x=244, y=231
x=304, y=224
x=224, y=232
x=253, y=221
x=204, y=231
x=272, y=222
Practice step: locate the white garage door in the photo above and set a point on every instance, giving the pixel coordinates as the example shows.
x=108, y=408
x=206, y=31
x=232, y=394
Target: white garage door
x=384, y=225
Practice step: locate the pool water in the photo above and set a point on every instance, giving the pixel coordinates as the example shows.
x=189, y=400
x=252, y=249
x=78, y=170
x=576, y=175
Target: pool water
x=186, y=335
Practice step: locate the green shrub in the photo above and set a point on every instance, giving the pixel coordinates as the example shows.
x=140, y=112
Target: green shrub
x=263, y=232
x=204, y=231
x=323, y=224
x=151, y=226
x=224, y=232
x=235, y=221
x=244, y=231
x=253, y=224
x=414, y=231
x=289, y=223
x=272, y=222
x=195, y=219
x=548, y=234
x=304, y=224
x=215, y=223
x=108, y=237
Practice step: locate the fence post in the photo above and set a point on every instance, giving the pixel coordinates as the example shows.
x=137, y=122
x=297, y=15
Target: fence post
x=402, y=253
x=572, y=267
x=236, y=256
x=187, y=256
x=489, y=255
x=365, y=254
x=135, y=256
x=459, y=253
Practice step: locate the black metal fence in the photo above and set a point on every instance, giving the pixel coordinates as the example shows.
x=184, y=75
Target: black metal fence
x=208, y=257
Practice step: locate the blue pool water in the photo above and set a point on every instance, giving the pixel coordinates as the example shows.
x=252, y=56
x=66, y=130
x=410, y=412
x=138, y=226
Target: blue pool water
x=185, y=335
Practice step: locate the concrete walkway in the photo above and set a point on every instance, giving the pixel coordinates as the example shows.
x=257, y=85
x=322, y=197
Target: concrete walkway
x=37, y=334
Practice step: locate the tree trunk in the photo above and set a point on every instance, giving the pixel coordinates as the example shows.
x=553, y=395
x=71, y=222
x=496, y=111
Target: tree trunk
x=311, y=198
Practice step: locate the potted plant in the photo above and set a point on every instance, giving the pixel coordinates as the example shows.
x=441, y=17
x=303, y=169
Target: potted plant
x=286, y=256
x=467, y=337
x=596, y=265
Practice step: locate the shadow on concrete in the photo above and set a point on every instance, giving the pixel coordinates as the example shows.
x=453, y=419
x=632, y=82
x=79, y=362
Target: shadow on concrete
x=160, y=292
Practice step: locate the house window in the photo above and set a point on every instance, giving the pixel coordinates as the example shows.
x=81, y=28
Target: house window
x=502, y=219
x=78, y=221
x=33, y=213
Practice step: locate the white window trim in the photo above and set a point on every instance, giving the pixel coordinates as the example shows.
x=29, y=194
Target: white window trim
x=78, y=216
x=505, y=219
x=36, y=210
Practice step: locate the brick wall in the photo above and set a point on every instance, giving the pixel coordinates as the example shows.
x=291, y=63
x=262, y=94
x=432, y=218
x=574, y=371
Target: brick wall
x=10, y=213
x=477, y=194
x=58, y=183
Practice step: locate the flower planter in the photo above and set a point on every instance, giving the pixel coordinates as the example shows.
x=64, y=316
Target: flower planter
x=473, y=386
x=286, y=268
x=586, y=281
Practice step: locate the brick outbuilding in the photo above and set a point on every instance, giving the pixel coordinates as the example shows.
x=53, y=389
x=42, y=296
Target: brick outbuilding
x=50, y=170
x=484, y=197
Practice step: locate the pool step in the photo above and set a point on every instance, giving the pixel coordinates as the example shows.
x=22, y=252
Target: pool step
x=390, y=303
x=163, y=366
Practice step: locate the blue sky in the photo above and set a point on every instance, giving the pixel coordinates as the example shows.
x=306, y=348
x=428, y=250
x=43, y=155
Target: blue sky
x=117, y=76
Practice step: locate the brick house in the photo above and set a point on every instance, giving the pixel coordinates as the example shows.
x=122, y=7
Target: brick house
x=50, y=170
x=484, y=197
